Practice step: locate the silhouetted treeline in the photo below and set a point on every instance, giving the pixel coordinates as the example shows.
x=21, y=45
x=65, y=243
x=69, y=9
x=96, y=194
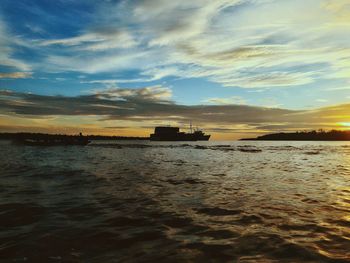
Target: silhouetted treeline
x=42, y=136
x=333, y=135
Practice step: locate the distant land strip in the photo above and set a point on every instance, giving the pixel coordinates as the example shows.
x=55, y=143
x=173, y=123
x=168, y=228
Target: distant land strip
x=333, y=135
x=39, y=136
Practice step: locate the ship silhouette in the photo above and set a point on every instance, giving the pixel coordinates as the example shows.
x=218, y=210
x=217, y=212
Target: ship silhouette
x=162, y=133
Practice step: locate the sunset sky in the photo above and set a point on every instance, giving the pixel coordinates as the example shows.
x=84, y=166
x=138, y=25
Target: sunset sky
x=236, y=68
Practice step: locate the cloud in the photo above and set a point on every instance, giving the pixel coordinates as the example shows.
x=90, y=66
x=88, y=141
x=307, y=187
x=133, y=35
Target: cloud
x=227, y=101
x=258, y=44
x=262, y=45
x=99, y=39
x=91, y=64
x=175, y=21
x=340, y=8
x=152, y=106
x=158, y=94
x=236, y=43
x=35, y=28
x=7, y=51
x=114, y=82
x=339, y=88
x=16, y=75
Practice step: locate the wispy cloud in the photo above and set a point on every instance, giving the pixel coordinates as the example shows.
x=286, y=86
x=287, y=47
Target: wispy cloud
x=16, y=75
x=226, y=101
x=236, y=43
x=114, y=82
x=91, y=64
x=7, y=51
x=98, y=40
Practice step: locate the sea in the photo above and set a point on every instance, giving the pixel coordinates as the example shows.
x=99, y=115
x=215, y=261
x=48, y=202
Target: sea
x=141, y=201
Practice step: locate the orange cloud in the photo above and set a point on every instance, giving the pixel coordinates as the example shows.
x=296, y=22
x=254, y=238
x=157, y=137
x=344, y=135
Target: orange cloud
x=15, y=75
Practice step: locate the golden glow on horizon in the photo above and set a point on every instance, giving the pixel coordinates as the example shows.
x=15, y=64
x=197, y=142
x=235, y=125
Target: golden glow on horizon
x=94, y=125
x=344, y=124
x=220, y=129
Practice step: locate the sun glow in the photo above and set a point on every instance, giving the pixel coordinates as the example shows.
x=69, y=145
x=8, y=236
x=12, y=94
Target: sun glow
x=344, y=124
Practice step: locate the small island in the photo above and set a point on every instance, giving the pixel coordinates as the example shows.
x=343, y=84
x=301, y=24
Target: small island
x=320, y=135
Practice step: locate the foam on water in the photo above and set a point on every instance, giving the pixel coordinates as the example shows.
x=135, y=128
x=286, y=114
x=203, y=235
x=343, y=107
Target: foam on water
x=209, y=201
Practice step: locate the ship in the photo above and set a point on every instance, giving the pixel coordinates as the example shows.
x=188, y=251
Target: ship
x=174, y=134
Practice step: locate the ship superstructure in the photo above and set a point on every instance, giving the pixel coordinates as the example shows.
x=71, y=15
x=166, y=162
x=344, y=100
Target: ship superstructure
x=174, y=134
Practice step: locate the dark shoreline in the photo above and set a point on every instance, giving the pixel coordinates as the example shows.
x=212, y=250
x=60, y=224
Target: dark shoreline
x=333, y=135
x=37, y=136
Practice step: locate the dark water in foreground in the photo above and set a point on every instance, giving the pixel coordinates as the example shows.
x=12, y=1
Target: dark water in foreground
x=141, y=201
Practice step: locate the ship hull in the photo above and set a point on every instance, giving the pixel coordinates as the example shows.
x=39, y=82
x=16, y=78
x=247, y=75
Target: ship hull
x=182, y=137
x=204, y=138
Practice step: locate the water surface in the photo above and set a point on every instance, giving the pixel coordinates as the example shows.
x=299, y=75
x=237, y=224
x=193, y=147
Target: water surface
x=176, y=202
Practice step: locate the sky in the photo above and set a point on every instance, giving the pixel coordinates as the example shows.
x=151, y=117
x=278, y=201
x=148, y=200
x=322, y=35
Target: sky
x=235, y=68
